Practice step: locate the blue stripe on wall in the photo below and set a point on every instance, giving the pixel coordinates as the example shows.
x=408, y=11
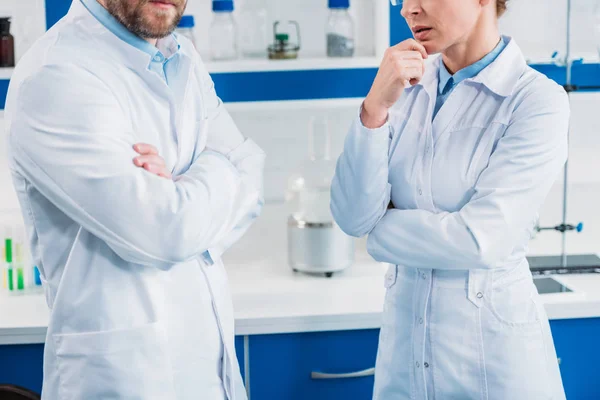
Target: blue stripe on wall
x=552, y=71
x=3, y=91
x=55, y=10
x=294, y=85
x=586, y=75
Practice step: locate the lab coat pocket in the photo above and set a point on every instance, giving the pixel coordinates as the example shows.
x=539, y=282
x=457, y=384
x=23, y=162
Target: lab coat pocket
x=123, y=364
x=512, y=300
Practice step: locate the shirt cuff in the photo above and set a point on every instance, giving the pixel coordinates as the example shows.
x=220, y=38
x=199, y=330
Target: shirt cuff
x=385, y=128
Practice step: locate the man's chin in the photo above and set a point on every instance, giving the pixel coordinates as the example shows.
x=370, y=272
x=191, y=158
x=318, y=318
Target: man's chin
x=159, y=27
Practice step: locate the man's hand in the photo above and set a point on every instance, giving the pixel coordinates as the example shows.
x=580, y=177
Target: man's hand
x=150, y=160
x=402, y=64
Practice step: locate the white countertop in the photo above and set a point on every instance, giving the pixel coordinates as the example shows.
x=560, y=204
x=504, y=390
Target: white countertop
x=270, y=298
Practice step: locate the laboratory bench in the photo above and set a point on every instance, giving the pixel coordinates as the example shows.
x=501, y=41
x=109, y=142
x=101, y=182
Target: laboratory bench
x=310, y=337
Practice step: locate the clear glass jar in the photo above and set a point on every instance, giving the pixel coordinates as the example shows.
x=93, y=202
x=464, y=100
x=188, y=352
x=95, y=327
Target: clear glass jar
x=308, y=193
x=186, y=28
x=253, y=29
x=340, y=30
x=223, y=36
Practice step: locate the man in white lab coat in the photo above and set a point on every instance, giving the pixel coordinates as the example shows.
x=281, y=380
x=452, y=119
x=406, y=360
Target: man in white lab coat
x=133, y=180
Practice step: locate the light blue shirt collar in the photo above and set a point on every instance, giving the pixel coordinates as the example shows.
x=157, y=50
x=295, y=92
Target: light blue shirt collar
x=113, y=25
x=447, y=81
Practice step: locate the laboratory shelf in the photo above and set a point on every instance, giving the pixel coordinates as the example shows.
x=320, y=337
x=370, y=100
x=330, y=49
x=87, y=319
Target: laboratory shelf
x=6, y=73
x=300, y=64
x=296, y=105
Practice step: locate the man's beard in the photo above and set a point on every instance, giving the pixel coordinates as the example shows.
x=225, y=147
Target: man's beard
x=134, y=18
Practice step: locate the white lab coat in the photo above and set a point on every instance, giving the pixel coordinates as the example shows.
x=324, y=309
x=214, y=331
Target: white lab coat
x=462, y=319
x=131, y=262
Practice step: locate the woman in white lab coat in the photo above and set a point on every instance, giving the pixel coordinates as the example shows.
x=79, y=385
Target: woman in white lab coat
x=445, y=170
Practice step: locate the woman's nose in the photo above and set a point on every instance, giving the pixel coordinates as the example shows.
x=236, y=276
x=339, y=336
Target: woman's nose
x=410, y=8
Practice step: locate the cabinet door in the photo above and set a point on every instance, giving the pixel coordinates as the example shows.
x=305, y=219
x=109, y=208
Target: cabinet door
x=239, y=349
x=282, y=366
x=576, y=342
x=22, y=365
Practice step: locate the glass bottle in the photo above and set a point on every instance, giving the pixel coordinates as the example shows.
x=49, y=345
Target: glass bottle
x=223, y=39
x=340, y=30
x=7, y=44
x=186, y=28
x=254, y=34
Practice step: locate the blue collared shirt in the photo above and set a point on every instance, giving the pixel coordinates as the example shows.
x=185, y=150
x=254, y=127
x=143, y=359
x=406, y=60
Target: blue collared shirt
x=448, y=82
x=161, y=55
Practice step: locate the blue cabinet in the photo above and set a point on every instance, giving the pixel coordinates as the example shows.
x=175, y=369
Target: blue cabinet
x=281, y=365
x=576, y=342
x=22, y=365
x=239, y=349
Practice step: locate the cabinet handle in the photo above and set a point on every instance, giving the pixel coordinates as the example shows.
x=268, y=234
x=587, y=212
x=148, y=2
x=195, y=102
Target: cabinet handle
x=357, y=374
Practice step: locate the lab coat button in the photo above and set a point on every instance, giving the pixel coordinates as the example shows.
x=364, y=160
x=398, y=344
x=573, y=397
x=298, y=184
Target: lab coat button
x=479, y=295
x=424, y=276
x=426, y=365
x=418, y=365
x=420, y=320
x=420, y=192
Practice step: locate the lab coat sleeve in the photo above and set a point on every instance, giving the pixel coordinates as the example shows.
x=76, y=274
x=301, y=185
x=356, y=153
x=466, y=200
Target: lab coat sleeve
x=225, y=138
x=71, y=140
x=360, y=192
x=507, y=197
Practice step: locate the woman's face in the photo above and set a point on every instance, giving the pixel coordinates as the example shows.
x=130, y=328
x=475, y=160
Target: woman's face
x=440, y=24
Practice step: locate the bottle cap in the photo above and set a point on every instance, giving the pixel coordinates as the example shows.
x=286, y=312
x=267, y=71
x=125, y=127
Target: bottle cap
x=187, y=21
x=222, y=5
x=4, y=25
x=339, y=3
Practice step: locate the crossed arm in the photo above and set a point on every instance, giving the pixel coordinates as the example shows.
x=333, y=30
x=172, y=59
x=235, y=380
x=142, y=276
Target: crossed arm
x=77, y=150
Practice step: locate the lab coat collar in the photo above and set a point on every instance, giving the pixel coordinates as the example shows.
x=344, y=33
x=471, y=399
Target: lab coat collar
x=501, y=76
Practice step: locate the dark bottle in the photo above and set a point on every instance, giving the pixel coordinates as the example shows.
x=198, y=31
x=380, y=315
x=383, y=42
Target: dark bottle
x=7, y=44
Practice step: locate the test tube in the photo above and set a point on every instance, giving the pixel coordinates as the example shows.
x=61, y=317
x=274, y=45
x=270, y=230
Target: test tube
x=19, y=266
x=3, y=261
x=36, y=276
x=9, y=259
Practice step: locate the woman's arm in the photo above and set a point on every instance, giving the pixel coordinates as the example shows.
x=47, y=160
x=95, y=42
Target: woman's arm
x=360, y=192
x=508, y=195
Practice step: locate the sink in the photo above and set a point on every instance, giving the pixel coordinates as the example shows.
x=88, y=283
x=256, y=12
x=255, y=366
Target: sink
x=546, y=285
